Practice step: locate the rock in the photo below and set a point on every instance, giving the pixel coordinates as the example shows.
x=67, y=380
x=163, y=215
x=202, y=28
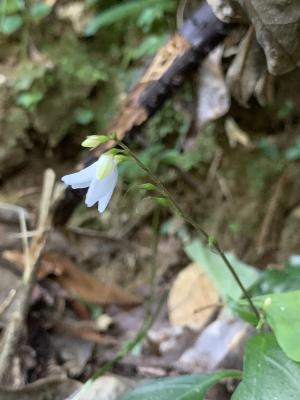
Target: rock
x=104, y=388
x=74, y=352
x=216, y=343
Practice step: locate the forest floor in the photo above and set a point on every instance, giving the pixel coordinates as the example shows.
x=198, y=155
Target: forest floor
x=100, y=278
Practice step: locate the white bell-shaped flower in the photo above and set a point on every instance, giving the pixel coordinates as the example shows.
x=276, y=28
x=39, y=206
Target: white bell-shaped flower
x=100, y=178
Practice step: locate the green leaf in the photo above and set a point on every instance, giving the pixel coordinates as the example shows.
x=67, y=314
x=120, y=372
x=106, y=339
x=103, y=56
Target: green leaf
x=121, y=12
x=268, y=374
x=148, y=47
x=277, y=281
x=293, y=153
x=243, y=311
x=40, y=10
x=30, y=99
x=185, y=387
x=83, y=116
x=151, y=14
x=215, y=268
x=162, y=201
x=147, y=186
x=11, y=6
x=283, y=315
x=11, y=24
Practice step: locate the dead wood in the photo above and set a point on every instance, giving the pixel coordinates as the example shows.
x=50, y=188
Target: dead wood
x=175, y=61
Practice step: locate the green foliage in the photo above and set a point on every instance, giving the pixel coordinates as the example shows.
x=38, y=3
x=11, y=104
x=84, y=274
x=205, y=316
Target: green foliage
x=83, y=116
x=269, y=148
x=40, y=10
x=147, y=186
x=285, y=110
x=11, y=6
x=293, y=153
x=150, y=15
x=213, y=265
x=186, y=387
x=168, y=122
x=282, y=314
x=260, y=172
x=11, y=23
x=81, y=68
x=128, y=9
x=30, y=99
x=31, y=84
x=13, y=15
x=148, y=47
x=268, y=373
x=277, y=281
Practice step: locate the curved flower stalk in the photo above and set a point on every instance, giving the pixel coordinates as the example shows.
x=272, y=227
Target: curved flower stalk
x=100, y=178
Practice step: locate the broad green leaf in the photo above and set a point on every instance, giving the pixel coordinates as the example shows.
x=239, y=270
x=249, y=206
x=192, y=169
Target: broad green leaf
x=268, y=373
x=11, y=24
x=283, y=315
x=277, y=281
x=122, y=11
x=185, y=387
x=213, y=265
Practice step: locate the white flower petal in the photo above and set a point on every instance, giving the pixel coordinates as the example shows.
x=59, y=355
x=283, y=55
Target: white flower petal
x=82, y=178
x=99, y=188
x=103, y=202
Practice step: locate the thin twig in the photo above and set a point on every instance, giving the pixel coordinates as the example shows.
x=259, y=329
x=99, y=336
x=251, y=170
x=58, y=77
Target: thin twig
x=7, y=301
x=23, y=226
x=271, y=212
x=15, y=328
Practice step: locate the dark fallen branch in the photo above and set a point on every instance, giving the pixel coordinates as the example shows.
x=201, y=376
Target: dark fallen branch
x=181, y=55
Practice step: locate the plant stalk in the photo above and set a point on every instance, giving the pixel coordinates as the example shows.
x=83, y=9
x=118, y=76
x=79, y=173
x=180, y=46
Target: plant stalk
x=213, y=244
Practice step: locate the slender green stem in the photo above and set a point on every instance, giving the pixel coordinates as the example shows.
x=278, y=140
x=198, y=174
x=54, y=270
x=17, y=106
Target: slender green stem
x=213, y=244
x=130, y=345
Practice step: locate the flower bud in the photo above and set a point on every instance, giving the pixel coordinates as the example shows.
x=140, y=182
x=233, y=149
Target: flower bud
x=94, y=141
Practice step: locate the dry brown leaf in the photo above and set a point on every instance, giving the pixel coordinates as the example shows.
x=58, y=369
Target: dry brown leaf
x=247, y=69
x=213, y=95
x=193, y=298
x=85, y=333
x=276, y=23
x=77, y=283
x=235, y=134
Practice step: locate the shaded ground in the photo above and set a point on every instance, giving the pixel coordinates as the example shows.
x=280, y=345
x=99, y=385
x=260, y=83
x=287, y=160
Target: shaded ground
x=245, y=194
